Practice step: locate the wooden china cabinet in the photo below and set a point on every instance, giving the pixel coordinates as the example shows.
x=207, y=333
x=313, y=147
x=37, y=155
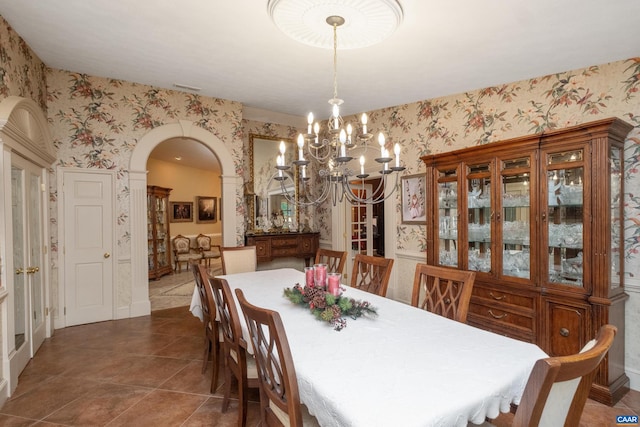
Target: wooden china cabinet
x=158, y=231
x=540, y=219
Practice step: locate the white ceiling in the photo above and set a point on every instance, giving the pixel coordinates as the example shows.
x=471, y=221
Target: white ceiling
x=231, y=49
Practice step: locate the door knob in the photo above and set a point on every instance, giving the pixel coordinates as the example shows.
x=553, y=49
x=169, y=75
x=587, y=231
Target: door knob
x=32, y=270
x=19, y=271
x=107, y=255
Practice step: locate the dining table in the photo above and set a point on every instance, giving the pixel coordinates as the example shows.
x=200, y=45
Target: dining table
x=402, y=367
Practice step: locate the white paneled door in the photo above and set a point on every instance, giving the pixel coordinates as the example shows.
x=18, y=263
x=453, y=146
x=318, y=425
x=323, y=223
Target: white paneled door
x=88, y=246
x=28, y=259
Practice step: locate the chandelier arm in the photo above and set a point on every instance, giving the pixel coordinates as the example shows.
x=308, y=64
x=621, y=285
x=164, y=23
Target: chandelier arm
x=320, y=159
x=314, y=201
x=370, y=200
x=354, y=197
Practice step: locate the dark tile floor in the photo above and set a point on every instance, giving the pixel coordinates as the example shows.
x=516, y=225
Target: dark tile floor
x=147, y=371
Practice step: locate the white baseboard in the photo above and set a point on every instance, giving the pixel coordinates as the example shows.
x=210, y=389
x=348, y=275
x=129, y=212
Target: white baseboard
x=634, y=378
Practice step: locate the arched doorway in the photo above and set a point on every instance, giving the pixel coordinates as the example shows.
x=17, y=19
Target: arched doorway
x=231, y=196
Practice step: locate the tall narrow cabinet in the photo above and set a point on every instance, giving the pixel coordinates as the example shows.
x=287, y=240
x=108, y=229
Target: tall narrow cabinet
x=158, y=231
x=540, y=219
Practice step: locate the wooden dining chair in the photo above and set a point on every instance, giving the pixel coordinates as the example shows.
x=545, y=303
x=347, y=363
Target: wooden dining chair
x=240, y=259
x=211, y=326
x=558, y=387
x=444, y=291
x=371, y=274
x=279, y=397
x=237, y=363
x=335, y=260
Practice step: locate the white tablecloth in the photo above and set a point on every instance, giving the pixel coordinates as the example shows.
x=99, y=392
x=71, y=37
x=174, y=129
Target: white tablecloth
x=406, y=367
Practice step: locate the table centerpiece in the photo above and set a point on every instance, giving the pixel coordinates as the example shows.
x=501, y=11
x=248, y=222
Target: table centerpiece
x=327, y=306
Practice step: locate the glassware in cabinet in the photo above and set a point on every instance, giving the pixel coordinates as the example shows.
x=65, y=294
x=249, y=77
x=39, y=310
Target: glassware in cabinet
x=515, y=217
x=479, y=216
x=564, y=182
x=447, y=189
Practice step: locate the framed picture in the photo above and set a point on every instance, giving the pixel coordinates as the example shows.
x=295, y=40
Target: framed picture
x=181, y=211
x=413, y=199
x=207, y=209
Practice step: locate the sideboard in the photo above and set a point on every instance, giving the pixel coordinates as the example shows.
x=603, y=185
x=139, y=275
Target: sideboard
x=284, y=245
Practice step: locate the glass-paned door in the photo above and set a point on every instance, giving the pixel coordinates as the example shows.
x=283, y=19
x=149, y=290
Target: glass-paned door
x=565, y=216
x=516, y=217
x=448, y=217
x=479, y=210
x=360, y=218
x=28, y=257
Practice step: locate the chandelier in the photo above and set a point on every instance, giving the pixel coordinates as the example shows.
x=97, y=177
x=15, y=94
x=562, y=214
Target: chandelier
x=330, y=150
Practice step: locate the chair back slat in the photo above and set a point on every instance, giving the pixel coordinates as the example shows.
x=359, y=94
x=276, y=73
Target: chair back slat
x=444, y=291
x=335, y=260
x=371, y=274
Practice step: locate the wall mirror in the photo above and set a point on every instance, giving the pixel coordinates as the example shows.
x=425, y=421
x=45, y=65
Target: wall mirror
x=269, y=209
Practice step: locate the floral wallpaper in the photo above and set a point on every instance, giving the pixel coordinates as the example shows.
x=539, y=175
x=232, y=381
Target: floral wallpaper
x=511, y=110
x=21, y=71
x=96, y=122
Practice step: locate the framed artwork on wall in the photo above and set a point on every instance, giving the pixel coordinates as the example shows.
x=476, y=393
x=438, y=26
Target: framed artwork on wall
x=207, y=209
x=413, y=201
x=181, y=211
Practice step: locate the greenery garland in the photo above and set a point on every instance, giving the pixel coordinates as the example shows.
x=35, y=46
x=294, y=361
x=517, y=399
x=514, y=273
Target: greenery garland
x=328, y=307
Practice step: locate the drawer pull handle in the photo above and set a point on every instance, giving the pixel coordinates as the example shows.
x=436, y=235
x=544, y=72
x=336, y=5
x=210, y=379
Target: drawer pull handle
x=564, y=332
x=502, y=316
x=497, y=298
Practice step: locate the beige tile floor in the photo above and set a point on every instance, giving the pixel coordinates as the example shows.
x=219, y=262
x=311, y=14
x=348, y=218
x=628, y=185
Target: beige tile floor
x=147, y=371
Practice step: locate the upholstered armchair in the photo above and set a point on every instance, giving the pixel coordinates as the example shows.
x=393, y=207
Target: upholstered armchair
x=207, y=250
x=182, y=252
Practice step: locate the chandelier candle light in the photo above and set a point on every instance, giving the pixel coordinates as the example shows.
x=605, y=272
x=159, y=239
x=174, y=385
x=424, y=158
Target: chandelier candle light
x=330, y=151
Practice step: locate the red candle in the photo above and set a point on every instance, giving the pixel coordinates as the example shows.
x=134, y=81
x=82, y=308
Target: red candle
x=320, y=273
x=334, y=283
x=308, y=273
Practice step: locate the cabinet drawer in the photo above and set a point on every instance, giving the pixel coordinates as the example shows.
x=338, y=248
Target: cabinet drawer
x=502, y=320
x=504, y=297
x=284, y=252
x=285, y=242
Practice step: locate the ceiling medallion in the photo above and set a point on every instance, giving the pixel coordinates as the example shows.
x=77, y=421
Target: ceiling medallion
x=367, y=22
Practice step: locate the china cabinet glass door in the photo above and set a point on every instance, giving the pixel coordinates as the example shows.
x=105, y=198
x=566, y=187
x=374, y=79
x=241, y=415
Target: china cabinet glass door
x=448, y=217
x=480, y=217
x=515, y=217
x=565, y=216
